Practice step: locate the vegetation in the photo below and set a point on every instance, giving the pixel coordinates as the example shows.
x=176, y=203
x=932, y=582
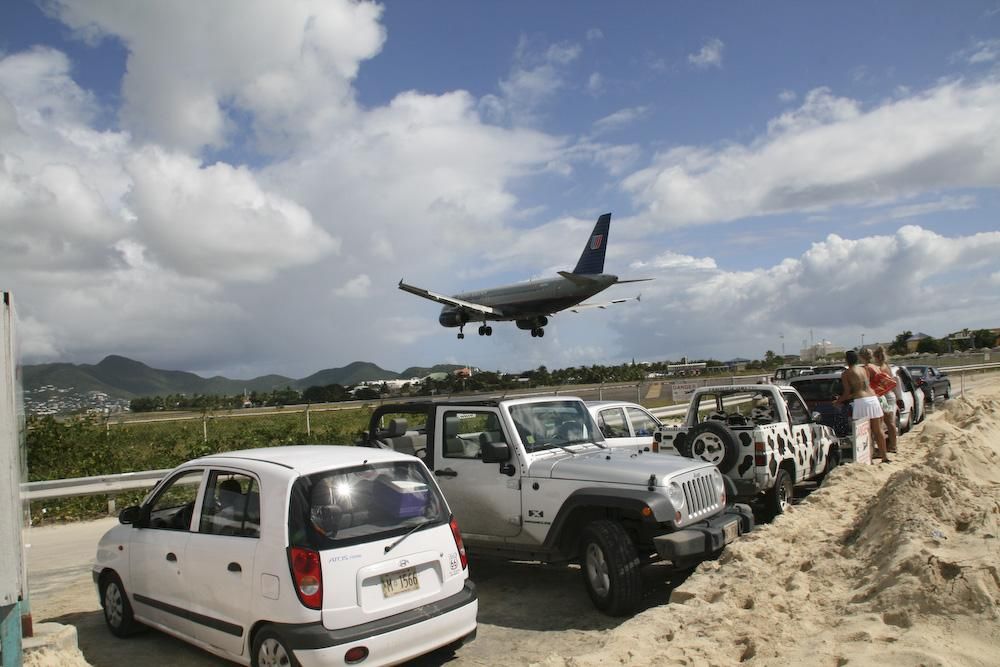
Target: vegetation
x=90, y=446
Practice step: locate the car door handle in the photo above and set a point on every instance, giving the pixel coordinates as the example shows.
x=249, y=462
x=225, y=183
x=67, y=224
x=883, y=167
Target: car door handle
x=234, y=567
x=447, y=472
x=171, y=557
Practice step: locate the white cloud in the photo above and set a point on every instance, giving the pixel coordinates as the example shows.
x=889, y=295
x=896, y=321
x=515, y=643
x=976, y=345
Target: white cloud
x=594, y=34
x=595, y=84
x=289, y=65
x=831, y=152
x=536, y=77
x=961, y=203
x=787, y=96
x=357, y=287
x=710, y=54
x=837, y=287
x=620, y=118
x=981, y=52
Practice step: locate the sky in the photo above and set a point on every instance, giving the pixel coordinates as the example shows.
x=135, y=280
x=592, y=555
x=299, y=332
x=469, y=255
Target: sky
x=237, y=187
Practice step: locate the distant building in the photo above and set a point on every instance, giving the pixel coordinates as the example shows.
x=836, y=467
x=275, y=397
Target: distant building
x=913, y=341
x=821, y=350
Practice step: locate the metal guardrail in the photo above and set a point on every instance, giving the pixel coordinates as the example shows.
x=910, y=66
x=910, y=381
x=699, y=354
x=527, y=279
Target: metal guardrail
x=129, y=481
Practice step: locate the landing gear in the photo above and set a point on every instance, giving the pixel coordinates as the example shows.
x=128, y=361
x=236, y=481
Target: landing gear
x=485, y=330
x=461, y=332
x=537, y=332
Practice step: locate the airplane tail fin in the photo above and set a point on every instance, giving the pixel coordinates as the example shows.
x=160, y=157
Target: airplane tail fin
x=592, y=258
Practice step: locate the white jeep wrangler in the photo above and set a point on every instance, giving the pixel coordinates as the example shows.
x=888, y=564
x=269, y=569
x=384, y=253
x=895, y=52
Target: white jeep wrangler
x=531, y=479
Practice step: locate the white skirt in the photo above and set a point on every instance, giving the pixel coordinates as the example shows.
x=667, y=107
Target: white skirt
x=866, y=407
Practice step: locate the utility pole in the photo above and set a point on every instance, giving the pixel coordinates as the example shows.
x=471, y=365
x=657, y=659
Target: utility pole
x=862, y=340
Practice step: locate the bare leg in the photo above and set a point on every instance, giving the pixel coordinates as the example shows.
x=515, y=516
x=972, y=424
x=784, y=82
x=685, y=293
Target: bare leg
x=890, y=426
x=879, y=434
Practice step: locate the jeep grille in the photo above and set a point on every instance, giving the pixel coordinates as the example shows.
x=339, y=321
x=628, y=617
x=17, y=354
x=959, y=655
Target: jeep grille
x=700, y=498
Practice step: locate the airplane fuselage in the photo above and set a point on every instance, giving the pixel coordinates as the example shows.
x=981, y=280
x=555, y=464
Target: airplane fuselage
x=527, y=300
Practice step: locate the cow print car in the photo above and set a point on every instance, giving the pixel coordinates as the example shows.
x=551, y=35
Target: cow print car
x=762, y=437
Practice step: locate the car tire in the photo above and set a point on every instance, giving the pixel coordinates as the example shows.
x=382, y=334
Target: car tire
x=270, y=650
x=930, y=396
x=610, y=566
x=116, y=607
x=778, y=498
x=947, y=391
x=712, y=442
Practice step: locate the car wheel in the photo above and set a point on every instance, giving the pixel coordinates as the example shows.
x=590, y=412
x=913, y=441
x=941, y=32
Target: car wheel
x=930, y=396
x=117, y=609
x=778, y=498
x=947, y=391
x=610, y=568
x=270, y=650
x=712, y=442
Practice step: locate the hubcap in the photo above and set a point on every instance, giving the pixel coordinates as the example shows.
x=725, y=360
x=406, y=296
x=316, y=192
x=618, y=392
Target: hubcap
x=783, y=497
x=597, y=570
x=114, y=608
x=708, y=448
x=272, y=654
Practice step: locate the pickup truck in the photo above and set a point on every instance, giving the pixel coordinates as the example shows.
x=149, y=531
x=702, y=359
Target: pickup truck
x=532, y=479
x=761, y=436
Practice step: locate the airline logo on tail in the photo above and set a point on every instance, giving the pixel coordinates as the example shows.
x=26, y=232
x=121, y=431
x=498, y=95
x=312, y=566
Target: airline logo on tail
x=596, y=240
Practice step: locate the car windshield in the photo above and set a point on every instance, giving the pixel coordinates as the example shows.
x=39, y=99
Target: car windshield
x=553, y=424
x=917, y=371
x=352, y=505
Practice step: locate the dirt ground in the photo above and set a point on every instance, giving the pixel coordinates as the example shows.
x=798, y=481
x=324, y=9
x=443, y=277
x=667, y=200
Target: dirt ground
x=854, y=595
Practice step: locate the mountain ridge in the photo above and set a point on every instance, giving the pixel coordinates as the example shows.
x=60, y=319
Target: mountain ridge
x=125, y=378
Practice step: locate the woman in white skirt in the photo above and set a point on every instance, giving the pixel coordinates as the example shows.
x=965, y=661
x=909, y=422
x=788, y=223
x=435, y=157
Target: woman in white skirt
x=864, y=402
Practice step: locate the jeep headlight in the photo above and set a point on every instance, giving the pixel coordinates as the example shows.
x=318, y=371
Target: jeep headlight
x=676, y=495
x=720, y=486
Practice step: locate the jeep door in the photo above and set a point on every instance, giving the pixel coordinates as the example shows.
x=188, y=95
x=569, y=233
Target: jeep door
x=486, y=497
x=809, y=454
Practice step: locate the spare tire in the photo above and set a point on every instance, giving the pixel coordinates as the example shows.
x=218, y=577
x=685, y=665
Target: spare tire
x=712, y=442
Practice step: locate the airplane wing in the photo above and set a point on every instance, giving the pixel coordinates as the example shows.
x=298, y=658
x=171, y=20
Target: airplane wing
x=633, y=280
x=602, y=306
x=447, y=300
x=583, y=279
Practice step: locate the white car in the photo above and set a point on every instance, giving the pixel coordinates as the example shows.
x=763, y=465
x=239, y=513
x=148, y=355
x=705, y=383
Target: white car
x=306, y=555
x=624, y=424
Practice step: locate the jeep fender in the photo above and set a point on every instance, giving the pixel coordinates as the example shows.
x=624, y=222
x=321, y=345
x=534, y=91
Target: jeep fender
x=584, y=505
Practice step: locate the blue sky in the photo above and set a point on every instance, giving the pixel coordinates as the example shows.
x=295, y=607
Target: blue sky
x=237, y=187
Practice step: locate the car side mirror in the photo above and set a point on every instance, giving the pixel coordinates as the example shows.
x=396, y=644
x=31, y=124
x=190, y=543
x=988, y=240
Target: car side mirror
x=130, y=515
x=817, y=417
x=495, y=452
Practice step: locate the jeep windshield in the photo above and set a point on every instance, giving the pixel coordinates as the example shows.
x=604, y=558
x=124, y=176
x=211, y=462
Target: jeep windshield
x=553, y=424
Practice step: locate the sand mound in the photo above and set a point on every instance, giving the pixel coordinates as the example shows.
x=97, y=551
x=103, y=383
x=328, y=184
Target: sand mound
x=888, y=564
x=55, y=658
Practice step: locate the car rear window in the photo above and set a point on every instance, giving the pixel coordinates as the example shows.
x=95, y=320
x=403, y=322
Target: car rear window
x=351, y=505
x=818, y=390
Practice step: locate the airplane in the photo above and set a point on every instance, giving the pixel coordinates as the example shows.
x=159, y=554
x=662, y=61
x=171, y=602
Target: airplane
x=531, y=304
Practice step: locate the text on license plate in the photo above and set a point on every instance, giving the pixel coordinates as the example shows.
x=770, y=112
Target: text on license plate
x=400, y=581
x=731, y=531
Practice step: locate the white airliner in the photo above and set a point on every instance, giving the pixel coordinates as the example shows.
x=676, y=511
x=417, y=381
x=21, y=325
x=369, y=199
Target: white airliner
x=530, y=304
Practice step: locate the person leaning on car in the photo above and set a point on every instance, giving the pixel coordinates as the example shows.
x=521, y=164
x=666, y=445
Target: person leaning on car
x=864, y=403
x=890, y=402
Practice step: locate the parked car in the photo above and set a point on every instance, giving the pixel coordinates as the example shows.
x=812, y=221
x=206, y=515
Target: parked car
x=784, y=373
x=624, y=424
x=934, y=382
x=307, y=555
x=820, y=390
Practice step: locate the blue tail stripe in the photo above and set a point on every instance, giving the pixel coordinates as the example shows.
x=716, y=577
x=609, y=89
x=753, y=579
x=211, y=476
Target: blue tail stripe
x=592, y=258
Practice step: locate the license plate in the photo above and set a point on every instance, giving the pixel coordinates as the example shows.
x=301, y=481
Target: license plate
x=731, y=531
x=400, y=581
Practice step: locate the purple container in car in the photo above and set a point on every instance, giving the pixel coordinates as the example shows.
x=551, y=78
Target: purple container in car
x=400, y=498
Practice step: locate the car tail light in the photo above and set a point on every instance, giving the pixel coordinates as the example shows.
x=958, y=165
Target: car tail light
x=356, y=655
x=655, y=447
x=307, y=573
x=758, y=449
x=457, y=534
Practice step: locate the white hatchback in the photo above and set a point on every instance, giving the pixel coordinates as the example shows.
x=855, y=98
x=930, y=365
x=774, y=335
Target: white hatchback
x=307, y=555
x=624, y=424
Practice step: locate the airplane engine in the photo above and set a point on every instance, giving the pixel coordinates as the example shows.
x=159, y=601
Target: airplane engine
x=453, y=318
x=534, y=323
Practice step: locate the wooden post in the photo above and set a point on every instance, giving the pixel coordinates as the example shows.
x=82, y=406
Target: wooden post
x=308, y=429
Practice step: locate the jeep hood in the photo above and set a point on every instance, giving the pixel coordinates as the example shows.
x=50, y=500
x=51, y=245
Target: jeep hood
x=613, y=466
